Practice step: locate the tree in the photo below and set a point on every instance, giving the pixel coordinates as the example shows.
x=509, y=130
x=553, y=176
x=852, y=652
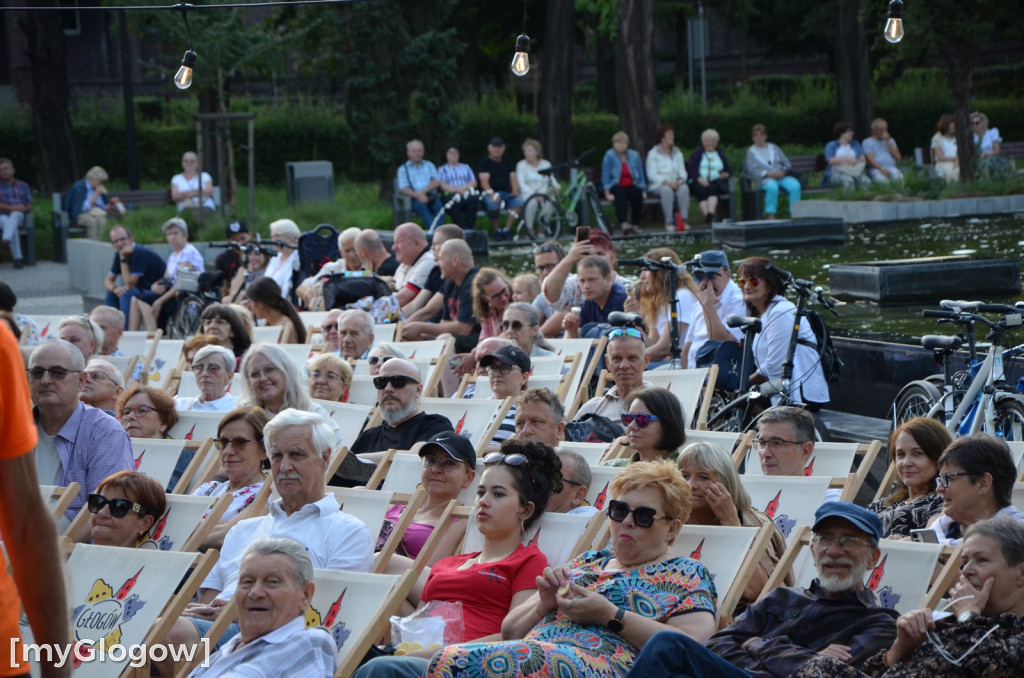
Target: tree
x=635, y=86
x=556, y=80
x=852, y=68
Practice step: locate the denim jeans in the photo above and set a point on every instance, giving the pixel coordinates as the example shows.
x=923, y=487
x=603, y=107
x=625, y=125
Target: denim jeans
x=426, y=210
x=671, y=654
x=392, y=667
x=492, y=207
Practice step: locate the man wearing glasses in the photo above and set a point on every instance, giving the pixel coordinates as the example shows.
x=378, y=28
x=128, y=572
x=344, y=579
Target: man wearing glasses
x=785, y=443
x=836, y=616
x=719, y=298
x=102, y=386
x=76, y=443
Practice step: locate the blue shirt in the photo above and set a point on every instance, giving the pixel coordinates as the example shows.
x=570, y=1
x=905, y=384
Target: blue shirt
x=145, y=263
x=590, y=312
x=416, y=177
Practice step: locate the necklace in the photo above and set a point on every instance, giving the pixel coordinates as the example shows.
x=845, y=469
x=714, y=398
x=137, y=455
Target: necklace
x=480, y=561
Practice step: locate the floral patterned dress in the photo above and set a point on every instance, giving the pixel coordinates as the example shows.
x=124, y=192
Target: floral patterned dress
x=558, y=646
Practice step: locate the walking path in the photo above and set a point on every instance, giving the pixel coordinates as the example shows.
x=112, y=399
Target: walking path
x=42, y=289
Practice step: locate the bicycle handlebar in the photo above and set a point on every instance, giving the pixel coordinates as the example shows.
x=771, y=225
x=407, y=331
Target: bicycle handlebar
x=948, y=315
x=567, y=165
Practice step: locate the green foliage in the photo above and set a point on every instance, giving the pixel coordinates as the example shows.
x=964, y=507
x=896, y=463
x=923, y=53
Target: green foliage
x=604, y=13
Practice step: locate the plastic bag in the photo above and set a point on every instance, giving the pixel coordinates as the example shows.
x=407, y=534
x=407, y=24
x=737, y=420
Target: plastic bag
x=431, y=627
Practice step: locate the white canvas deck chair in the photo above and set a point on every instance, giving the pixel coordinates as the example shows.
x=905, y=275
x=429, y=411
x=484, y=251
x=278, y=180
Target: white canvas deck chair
x=298, y=355
x=351, y=417
x=693, y=388
x=590, y=351
x=834, y=460
x=123, y=364
x=195, y=426
x=600, y=490
x=729, y=441
x=267, y=334
x=386, y=333
x=157, y=459
x=559, y=536
x=313, y=320
x=789, y=501
x=1017, y=498
x=59, y=498
x=400, y=473
x=592, y=452
x=482, y=385
x=188, y=388
x=138, y=343
x=430, y=350
x=901, y=579
x=475, y=419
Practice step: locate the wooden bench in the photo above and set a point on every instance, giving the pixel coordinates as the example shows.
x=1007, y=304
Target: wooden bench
x=725, y=202
x=1011, y=150
x=752, y=199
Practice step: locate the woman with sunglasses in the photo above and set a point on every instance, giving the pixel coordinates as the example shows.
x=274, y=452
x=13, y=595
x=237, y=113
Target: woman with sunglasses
x=491, y=296
x=515, y=485
x=764, y=295
x=146, y=412
x=264, y=296
x=244, y=464
x=223, y=322
x=651, y=298
x=329, y=377
x=655, y=426
x=521, y=324
x=975, y=481
x=124, y=508
x=983, y=634
x=380, y=354
x=592, y=616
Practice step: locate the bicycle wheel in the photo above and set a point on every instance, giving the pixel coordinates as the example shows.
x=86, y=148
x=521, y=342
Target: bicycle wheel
x=915, y=400
x=547, y=216
x=725, y=415
x=597, y=215
x=1009, y=419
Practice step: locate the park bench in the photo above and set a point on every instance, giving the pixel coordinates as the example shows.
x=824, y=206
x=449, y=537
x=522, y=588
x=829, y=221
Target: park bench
x=1011, y=150
x=63, y=228
x=752, y=199
x=725, y=202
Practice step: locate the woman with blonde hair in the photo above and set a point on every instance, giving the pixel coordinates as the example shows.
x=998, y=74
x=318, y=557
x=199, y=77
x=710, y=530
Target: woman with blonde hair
x=329, y=377
x=491, y=296
x=624, y=182
x=651, y=298
x=709, y=173
x=531, y=181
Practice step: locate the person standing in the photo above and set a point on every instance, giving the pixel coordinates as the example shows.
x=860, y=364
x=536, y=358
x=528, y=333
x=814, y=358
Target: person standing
x=15, y=204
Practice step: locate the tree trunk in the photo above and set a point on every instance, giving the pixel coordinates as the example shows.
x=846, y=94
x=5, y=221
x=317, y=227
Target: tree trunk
x=682, y=51
x=960, y=67
x=556, y=76
x=635, y=86
x=59, y=161
x=606, y=74
x=853, y=70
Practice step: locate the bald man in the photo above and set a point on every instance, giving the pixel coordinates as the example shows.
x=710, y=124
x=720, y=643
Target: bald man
x=458, y=270
x=415, y=262
x=374, y=254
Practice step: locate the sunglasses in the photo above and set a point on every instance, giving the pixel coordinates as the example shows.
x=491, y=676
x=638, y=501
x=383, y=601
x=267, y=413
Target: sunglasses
x=514, y=325
x=119, y=508
x=642, y=420
x=628, y=331
x=643, y=516
x=56, y=373
x=502, y=458
x=329, y=327
x=397, y=381
x=753, y=282
x=375, y=360
x=543, y=268
x=237, y=443
x=701, y=276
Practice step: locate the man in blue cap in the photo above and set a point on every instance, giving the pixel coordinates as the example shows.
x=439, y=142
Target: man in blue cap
x=836, y=617
x=719, y=298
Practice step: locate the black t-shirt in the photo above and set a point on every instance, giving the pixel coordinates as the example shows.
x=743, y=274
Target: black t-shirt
x=388, y=267
x=415, y=429
x=458, y=299
x=499, y=172
x=434, y=280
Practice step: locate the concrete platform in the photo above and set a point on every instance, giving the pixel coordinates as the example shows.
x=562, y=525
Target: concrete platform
x=873, y=211
x=779, y=233
x=901, y=281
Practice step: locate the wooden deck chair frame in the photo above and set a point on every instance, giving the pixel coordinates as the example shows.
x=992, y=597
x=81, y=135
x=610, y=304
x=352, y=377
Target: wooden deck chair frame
x=583, y=388
x=61, y=497
x=383, y=466
x=592, y=452
x=207, y=469
x=337, y=456
x=380, y=622
x=616, y=450
x=595, y=525
x=699, y=416
x=123, y=364
x=500, y=409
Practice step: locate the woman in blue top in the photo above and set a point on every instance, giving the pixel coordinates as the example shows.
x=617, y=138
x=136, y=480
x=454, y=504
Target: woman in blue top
x=709, y=173
x=624, y=183
x=845, y=158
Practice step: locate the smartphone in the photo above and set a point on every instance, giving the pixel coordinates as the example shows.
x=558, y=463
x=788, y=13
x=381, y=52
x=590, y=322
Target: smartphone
x=582, y=233
x=925, y=535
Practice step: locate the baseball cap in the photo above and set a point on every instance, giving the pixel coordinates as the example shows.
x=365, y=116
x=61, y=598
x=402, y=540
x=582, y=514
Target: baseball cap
x=236, y=227
x=712, y=260
x=497, y=141
x=509, y=355
x=861, y=518
x=457, y=446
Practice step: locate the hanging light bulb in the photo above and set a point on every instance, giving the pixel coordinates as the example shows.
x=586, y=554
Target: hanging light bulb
x=894, y=25
x=183, y=78
x=521, y=61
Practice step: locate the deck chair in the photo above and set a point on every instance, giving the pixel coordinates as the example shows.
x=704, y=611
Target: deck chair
x=386, y=333
x=267, y=334
x=482, y=385
x=729, y=441
x=137, y=342
x=475, y=419
x=560, y=536
x=157, y=459
x=48, y=325
x=400, y=473
x=600, y=487
x=590, y=351
x=188, y=388
x=124, y=364
x=361, y=391
x=592, y=452
x=351, y=417
x=163, y=357
x=901, y=579
x=59, y=498
x=787, y=500
x=313, y=319
x=431, y=350
x=196, y=425
x=835, y=460
x=133, y=592
x=693, y=388
x=1017, y=497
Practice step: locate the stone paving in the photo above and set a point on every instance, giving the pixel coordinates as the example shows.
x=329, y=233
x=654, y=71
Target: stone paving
x=42, y=289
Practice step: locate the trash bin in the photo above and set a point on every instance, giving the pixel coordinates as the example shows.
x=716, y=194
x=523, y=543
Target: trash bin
x=311, y=181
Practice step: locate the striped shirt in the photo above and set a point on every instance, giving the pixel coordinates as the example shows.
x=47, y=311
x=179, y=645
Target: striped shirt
x=459, y=175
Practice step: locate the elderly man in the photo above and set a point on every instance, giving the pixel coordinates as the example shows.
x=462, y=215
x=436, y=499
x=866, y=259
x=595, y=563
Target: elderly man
x=719, y=298
x=836, y=616
x=602, y=295
x=626, y=357
x=311, y=287
x=275, y=586
x=785, y=442
x=882, y=154
x=428, y=304
x=15, y=204
x=101, y=386
x=576, y=480
x=137, y=266
x=329, y=331
x=84, y=333
x=540, y=416
x=459, y=270
x=355, y=334
x=299, y=446
x=77, y=443
x=213, y=366
x=415, y=262
x=374, y=254
x=417, y=179
x=111, y=321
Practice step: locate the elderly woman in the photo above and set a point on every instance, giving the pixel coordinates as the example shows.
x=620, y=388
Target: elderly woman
x=985, y=138
x=845, y=159
x=768, y=167
x=944, y=152
x=268, y=305
x=457, y=177
x=764, y=295
x=624, y=183
x=983, y=635
x=719, y=498
x=273, y=382
x=380, y=354
x=244, y=463
x=521, y=324
x=667, y=177
x=329, y=377
x=124, y=508
x=183, y=257
x=491, y=296
x=285, y=235
x=191, y=189
x=146, y=412
x=655, y=427
x=592, y=616
x=651, y=299
x=223, y=322
x=709, y=172
x=83, y=332
x=213, y=366
x=914, y=448
x=975, y=481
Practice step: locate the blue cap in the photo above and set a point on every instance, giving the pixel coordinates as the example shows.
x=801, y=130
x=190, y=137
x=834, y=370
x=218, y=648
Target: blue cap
x=712, y=260
x=862, y=519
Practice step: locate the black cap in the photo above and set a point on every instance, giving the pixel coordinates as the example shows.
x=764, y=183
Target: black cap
x=236, y=227
x=509, y=355
x=497, y=141
x=457, y=446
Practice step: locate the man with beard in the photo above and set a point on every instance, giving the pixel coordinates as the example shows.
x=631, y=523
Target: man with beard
x=836, y=617
x=399, y=387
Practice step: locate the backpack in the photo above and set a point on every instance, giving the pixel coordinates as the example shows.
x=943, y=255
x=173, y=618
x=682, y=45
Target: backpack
x=831, y=365
x=593, y=428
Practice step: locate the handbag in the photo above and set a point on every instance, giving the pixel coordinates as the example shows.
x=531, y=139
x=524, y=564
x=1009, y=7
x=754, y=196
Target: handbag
x=855, y=170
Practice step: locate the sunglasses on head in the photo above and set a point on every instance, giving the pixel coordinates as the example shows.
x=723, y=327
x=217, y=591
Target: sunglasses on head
x=642, y=420
x=375, y=360
x=643, y=516
x=397, y=381
x=119, y=507
x=544, y=249
x=753, y=282
x=701, y=276
x=502, y=458
x=628, y=331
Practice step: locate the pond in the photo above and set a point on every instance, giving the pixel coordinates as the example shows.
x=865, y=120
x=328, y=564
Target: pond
x=990, y=238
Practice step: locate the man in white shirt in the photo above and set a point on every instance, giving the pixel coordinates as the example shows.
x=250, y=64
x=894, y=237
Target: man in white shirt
x=213, y=366
x=719, y=298
x=415, y=262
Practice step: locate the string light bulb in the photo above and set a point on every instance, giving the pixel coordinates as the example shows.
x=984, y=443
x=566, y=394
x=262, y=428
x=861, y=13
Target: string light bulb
x=521, y=60
x=183, y=78
x=894, y=25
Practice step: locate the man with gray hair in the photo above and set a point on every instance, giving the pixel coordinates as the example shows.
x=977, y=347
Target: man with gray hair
x=112, y=322
x=576, y=480
x=374, y=254
x=214, y=366
x=415, y=259
x=540, y=416
x=299, y=446
x=102, y=385
x=83, y=332
x=355, y=334
x=785, y=443
x=76, y=443
x=417, y=179
x=275, y=586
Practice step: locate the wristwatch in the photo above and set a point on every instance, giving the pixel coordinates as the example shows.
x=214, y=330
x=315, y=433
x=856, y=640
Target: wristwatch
x=966, y=616
x=615, y=623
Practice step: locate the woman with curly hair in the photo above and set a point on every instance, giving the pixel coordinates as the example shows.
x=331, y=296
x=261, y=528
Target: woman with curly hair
x=491, y=296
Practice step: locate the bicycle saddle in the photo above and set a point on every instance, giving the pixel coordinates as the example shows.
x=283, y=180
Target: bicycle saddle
x=938, y=342
x=623, y=319
x=735, y=320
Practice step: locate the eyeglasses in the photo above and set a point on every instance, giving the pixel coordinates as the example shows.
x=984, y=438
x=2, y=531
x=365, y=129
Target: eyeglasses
x=502, y=458
x=221, y=443
x=96, y=374
x=572, y=482
x=255, y=375
x=937, y=643
x=544, y=268
x=139, y=410
x=446, y=464
x=643, y=516
x=760, y=444
x=628, y=331
x=329, y=376
x=753, y=282
x=499, y=295
x=374, y=360
x=56, y=373
x=544, y=249
x=642, y=420
x=397, y=381
x=498, y=368
x=701, y=276
x=329, y=327
x=943, y=478
x=213, y=369
x=514, y=325
x=826, y=541
x=119, y=507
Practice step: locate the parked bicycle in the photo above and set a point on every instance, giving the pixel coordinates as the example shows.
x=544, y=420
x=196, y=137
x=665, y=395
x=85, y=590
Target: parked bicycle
x=974, y=397
x=546, y=217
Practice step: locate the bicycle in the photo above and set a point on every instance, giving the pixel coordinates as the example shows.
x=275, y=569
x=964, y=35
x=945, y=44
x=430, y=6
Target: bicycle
x=553, y=215
x=977, y=397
